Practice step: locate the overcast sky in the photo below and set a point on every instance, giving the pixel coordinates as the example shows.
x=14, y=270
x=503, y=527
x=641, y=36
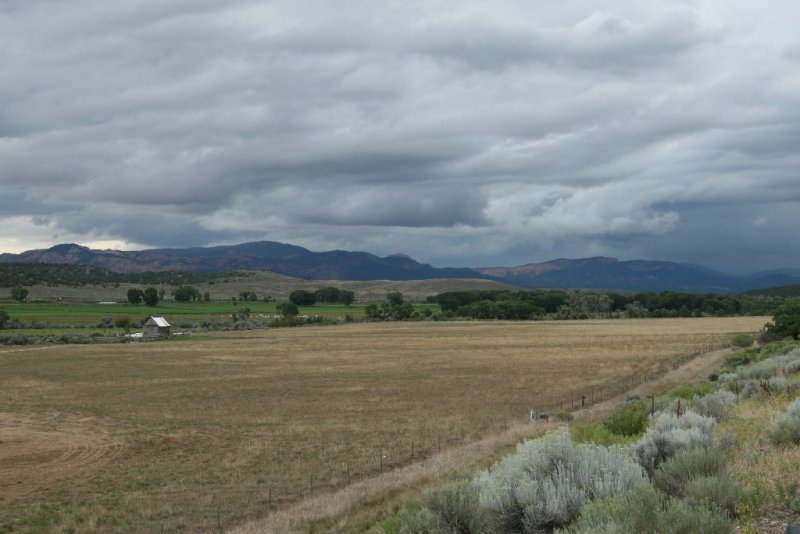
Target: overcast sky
x=463, y=133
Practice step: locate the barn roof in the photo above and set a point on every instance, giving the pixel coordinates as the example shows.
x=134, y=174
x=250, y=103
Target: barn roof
x=157, y=321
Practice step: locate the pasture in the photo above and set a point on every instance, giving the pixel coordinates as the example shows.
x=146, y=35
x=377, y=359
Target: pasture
x=206, y=434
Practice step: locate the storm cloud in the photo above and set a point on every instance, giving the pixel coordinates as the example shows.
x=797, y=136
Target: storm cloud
x=462, y=133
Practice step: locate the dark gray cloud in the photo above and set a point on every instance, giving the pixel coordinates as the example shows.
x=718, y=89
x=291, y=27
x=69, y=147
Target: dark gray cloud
x=463, y=133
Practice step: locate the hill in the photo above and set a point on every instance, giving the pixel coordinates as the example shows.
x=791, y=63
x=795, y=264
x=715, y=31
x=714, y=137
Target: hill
x=298, y=262
x=634, y=275
x=280, y=258
x=780, y=291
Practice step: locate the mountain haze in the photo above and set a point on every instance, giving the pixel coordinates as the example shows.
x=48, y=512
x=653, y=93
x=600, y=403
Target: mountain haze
x=281, y=258
x=292, y=260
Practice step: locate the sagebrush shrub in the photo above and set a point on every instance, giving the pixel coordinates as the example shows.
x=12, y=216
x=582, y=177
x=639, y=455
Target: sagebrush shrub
x=668, y=433
x=547, y=481
x=792, y=367
x=714, y=404
x=673, y=474
x=715, y=491
x=451, y=510
x=644, y=509
x=786, y=426
x=760, y=370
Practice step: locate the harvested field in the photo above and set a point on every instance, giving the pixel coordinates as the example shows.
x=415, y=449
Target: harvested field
x=206, y=434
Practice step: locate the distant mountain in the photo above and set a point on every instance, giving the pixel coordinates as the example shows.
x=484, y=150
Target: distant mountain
x=291, y=260
x=636, y=275
x=281, y=258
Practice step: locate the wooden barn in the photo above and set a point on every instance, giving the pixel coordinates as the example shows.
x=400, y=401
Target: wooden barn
x=156, y=327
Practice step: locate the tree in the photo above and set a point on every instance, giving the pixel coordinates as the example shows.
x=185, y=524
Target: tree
x=135, y=296
x=327, y=294
x=786, y=321
x=287, y=309
x=346, y=297
x=301, y=297
x=19, y=294
x=4, y=318
x=186, y=294
x=150, y=296
x=207, y=297
x=395, y=297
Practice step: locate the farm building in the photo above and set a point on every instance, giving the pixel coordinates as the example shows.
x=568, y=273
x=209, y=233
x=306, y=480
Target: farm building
x=156, y=327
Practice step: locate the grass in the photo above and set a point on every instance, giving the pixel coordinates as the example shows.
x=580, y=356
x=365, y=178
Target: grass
x=208, y=433
x=268, y=284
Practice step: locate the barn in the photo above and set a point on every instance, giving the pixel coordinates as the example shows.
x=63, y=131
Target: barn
x=156, y=327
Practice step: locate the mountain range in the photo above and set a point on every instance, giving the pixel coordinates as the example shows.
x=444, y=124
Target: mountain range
x=292, y=260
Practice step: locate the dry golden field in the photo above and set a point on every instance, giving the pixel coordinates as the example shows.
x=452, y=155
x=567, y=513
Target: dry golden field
x=207, y=433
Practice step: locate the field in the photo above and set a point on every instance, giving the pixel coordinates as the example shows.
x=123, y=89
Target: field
x=205, y=434
x=267, y=284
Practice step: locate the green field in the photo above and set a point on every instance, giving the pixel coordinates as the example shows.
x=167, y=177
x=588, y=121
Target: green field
x=51, y=319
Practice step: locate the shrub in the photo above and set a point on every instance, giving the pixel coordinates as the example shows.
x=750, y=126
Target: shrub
x=422, y=521
x=786, y=426
x=715, y=404
x=742, y=340
x=105, y=322
x=629, y=420
x=688, y=392
x=598, y=434
x=564, y=416
x=547, y=481
x=644, y=509
x=451, y=509
x=672, y=476
x=668, y=433
x=718, y=491
x=792, y=367
x=760, y=370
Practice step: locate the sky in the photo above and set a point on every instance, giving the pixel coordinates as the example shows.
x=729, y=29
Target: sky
x=462, y=133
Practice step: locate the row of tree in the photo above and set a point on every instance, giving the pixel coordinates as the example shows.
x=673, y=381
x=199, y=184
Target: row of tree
x=328, y=295
x=533, y=304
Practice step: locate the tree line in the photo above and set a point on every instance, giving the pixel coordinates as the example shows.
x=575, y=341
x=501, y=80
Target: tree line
x=559, y=304
x=326, y=295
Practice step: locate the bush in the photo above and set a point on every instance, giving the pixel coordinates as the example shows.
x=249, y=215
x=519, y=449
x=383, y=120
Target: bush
x=668, y=433
x=792, y=367
x=742, y=341
x=644, y=509
x=105, y=322
x=452, y=509
x=786, y=426
x=564, y=416
x=719, y=492
x=672, y=476
x=630, y=419
x=598, y=434
x=715, y=404
x=547, y=481
x=688, y=392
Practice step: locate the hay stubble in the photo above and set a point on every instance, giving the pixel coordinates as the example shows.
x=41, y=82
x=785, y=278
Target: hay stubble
x=218, y=431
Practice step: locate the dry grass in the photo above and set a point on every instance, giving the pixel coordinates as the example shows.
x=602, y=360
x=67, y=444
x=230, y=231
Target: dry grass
x=277, y=286
x=758, y=465
x=207, y=434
